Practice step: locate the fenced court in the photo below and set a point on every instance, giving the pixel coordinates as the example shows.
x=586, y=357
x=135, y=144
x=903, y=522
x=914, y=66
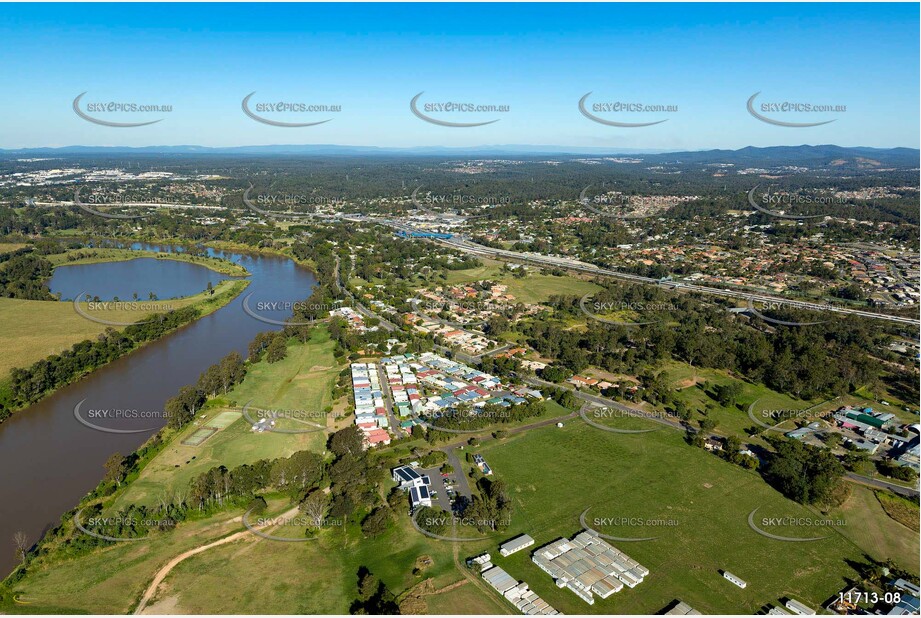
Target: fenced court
x=222, y=420
x=199, y=436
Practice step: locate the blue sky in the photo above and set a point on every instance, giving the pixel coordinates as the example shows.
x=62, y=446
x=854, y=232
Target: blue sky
x=538, y=59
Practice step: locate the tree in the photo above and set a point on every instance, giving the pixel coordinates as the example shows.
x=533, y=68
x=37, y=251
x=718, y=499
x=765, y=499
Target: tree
x=347, y=441
x=232, y=371
x=376, y=523
x=802, y=472
x=115, y=468
x=21, y=541
x=314, y=507
x=277, y=350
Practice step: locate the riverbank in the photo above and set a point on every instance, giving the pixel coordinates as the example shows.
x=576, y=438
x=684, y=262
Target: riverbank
x=31, y=330
x=98, y=255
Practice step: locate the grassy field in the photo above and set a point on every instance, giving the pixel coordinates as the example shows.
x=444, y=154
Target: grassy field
x=733, y=420
x=653, y=476
x=31, y=330
x=98, y=255
x=9, y=247
x=870, y=528
x=269, y=577
x=110, y=580
x=302, y=381
x=554, y=474
x=534, y=288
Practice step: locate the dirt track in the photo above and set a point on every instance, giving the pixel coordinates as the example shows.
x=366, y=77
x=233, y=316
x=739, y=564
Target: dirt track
x=169, y=566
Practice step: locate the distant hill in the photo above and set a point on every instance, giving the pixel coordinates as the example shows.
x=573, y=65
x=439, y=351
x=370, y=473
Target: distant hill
x=823, y=155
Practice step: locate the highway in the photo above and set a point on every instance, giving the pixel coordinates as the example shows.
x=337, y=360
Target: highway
x=467, y=246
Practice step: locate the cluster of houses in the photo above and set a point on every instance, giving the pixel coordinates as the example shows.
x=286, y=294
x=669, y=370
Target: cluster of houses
x=370, y=412
x=588, y=565
x=417, y=486
x=601, y=385
x=467, y=341
x=457, y=382
x=354, y=319
x=404, y=388
x=517, y=593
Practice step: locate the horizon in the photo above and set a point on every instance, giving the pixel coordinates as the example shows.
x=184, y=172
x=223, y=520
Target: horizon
x=484, y=149
x=573, y=76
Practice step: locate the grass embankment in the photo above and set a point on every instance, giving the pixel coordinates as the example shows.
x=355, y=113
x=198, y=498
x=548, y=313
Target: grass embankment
x=9, y=247
x=99, y=255
x=900, y=509
x=31, y=330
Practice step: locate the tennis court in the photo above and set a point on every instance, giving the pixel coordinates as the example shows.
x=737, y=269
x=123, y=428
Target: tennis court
x=224, y=419
x=199, y=436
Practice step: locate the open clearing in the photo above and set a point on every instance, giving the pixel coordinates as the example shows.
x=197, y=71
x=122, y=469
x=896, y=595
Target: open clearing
x=534, y=288
x=554, y=474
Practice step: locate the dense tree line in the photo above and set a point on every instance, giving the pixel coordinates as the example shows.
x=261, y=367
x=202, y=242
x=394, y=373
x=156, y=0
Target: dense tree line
x=802, y=472
x=32, y=383
x=23, y=276
x=828, y=358
x=217, y=379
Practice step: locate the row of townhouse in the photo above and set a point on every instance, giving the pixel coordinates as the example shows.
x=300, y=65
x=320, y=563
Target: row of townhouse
x=404, y=388
x=370, y=412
